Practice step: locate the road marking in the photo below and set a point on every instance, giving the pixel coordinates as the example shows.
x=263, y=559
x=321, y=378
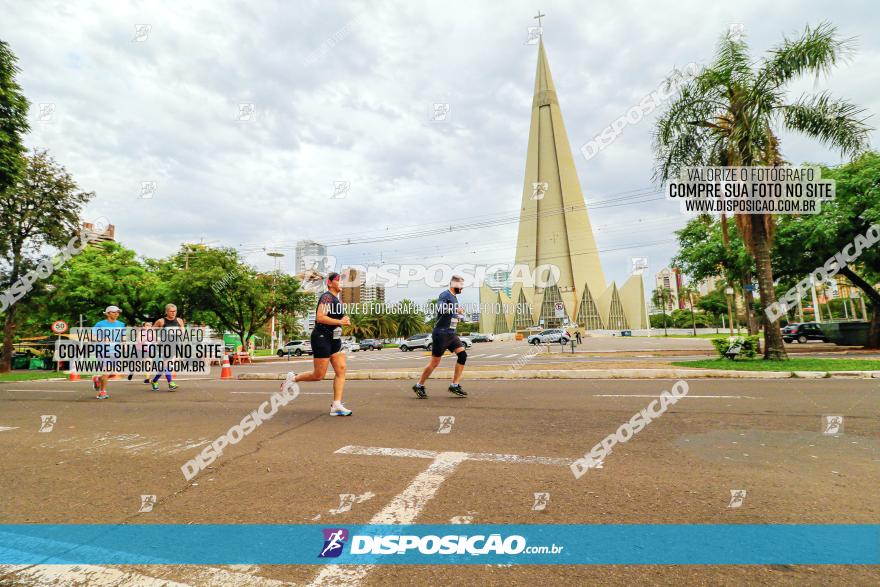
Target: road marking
x=405, y=507
x=53, y=575
x=692, y=396
x=492, y=356
x=5, y=428
x=511, y=356
x=46, y=390
x=271, y=392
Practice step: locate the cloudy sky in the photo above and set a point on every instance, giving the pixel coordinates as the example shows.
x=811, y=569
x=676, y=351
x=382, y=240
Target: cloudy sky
x=124, y=93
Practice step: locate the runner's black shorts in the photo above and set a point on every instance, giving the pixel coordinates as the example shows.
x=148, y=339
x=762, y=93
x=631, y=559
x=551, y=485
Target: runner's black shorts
x=442, y=342
x=324, y=345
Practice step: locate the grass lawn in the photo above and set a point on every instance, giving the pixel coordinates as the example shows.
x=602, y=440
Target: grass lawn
x=796, y=364
x=263, y=352
x=30, y=375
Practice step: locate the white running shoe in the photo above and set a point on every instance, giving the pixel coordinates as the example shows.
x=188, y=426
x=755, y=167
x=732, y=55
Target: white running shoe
x=289, y=383
x=339, y=410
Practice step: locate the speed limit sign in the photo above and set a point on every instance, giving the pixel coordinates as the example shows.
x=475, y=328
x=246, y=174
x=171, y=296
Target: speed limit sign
x=59, y=327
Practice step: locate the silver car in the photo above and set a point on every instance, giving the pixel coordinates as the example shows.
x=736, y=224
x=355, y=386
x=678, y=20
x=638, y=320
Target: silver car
x=550, y=335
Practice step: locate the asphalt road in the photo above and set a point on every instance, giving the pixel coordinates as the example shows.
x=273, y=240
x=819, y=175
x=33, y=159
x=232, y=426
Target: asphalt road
x=763, y=436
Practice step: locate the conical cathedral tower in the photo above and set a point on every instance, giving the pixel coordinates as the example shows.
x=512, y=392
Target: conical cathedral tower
x=555, y=238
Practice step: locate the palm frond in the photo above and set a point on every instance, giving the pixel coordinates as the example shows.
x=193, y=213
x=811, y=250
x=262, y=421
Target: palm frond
x=817, y=51
x=837, y=123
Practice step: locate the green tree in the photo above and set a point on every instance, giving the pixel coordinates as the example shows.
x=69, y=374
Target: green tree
x=214, y=285
x=361, y=326
x=41, y=209
x=804, y=243
x=409, y=320
x=13, y=120
x=661, y=298
x=105, y=274
x=688, y=292
x=731, y=115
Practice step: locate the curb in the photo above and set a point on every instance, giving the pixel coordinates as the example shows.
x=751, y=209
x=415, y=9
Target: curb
x=365, y=374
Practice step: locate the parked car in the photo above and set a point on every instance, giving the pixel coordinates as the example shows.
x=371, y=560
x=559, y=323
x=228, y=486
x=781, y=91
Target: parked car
x=803, y=332
x=370, y=344
x=416, y=341
x=296, y=347
x=467, y=341
x=351, y=347
x=550, y=335
x=482, y=337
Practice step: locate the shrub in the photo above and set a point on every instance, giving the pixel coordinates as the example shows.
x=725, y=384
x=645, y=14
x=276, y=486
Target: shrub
x=748, y=345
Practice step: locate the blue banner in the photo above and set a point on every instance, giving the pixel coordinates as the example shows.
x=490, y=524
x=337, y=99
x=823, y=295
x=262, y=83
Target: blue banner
x=297, y=544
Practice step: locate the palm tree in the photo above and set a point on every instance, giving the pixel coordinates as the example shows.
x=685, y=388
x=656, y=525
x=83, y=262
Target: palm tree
x=360, y=327
x=661, y=298
x=409, y=320
x=688, y=292
x=731, y=115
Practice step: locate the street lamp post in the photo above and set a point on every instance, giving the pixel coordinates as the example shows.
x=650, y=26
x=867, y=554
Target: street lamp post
x=277, y=256
x=729, y=291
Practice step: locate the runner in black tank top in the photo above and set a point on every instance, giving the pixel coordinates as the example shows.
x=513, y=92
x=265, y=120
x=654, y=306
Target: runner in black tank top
x=169, y=321
x=327, y=345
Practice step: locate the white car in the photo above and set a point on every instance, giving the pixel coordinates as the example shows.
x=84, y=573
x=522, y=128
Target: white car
x=550, y=335
x=351, y=347
x=295, y=347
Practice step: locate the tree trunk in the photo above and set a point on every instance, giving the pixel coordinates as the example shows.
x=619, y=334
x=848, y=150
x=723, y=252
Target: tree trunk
x=8, y=329
x=873, y=341
x=774, y=347
x=749, y=300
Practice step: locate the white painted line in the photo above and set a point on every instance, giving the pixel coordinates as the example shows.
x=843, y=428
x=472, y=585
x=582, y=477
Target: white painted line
x=271, y=392
x=492, y=356
x=46, y=575
x=94, y=575
x=511, y=356
x=46, y=390
x=691, y=396
x=5, y=428
x=405, y=507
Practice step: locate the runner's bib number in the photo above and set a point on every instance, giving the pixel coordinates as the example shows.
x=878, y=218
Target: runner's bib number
x=337, y=333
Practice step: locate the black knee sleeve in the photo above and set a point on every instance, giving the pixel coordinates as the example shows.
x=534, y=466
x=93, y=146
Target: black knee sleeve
x=462, y=358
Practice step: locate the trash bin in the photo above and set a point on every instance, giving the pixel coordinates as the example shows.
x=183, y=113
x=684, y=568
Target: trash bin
x=35, y=363
x=21, y=362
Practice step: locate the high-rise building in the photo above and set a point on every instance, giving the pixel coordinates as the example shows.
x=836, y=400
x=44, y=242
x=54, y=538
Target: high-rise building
x=355, y=290
x=311, y=255
x=555, y=230
x=499, y=281
x=108, y=235
x=669, y=279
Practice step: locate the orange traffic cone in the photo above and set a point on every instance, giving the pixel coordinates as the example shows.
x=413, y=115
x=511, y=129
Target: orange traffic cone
x=226, y=371
x=72, y=375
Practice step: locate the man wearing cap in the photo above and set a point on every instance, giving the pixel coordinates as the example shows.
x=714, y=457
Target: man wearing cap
x=102, y=333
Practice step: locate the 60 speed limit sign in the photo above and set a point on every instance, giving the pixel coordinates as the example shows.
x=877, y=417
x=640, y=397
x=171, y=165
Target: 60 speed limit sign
x=59, y=327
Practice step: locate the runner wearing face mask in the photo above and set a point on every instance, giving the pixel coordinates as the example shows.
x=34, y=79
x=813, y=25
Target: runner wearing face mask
x=444, y=338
